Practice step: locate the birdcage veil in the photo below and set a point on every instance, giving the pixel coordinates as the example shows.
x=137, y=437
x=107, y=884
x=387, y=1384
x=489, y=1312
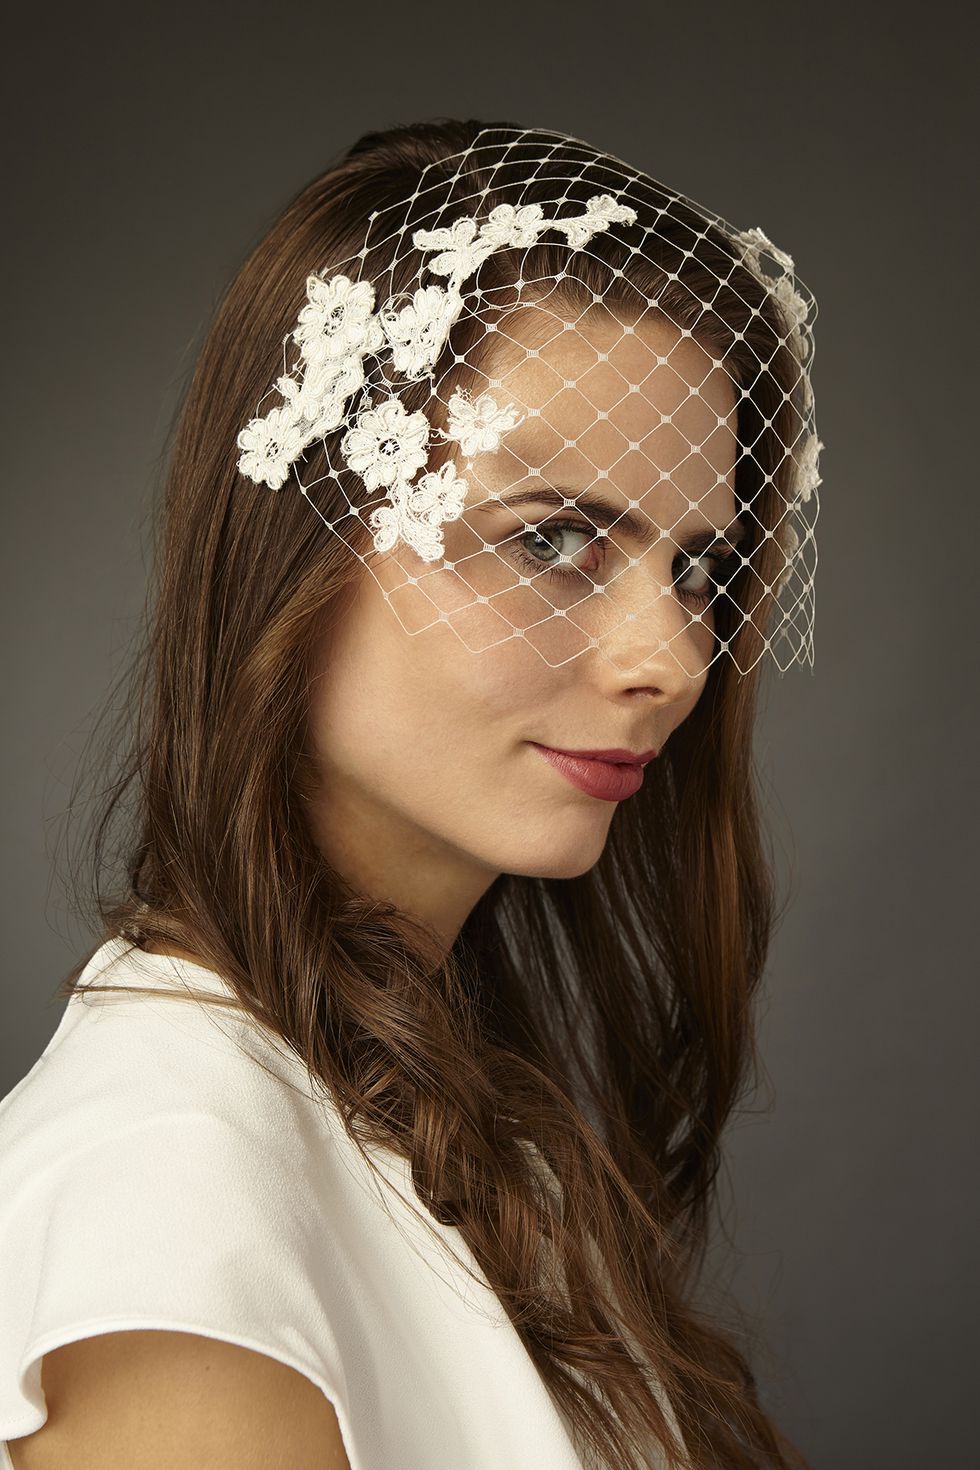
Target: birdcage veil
x=550, y=398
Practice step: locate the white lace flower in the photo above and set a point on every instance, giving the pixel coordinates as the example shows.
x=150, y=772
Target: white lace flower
x=808, y=473
x=270, y=445
x=464, y=246
x=392, y=523
x=790, y=300
x=753, y=242
x=507, y=225
x=338, y=328
x=462, y=249
x=385, y=522
x=331, y=413
x=337, y=320
x=418, y=332
x=789, y=542
x=438, y=495
x=807, y=392
x=386, y=443
x=299, y=395
x=600, y=212
x=322, y=385
x=417, y=512
x=477, y=425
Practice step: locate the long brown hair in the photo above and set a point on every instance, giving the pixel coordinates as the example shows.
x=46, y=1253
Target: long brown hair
x=605, y=1019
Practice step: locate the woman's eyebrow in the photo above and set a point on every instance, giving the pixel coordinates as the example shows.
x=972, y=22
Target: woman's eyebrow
x=603, y=513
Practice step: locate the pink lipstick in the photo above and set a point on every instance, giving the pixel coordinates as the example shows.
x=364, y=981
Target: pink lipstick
x=608, y=775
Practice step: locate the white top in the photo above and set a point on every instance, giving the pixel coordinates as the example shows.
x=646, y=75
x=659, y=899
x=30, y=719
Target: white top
x=153, y=1175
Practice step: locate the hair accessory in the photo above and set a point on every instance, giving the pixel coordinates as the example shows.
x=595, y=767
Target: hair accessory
x=338, y=327
x=377, y=326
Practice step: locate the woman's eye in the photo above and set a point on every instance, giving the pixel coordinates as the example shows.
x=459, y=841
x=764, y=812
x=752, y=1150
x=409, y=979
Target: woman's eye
x=697, y=575
x=700, y=582
x=554, y=546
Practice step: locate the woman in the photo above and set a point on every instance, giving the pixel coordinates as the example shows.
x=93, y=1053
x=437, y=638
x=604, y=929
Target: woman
x=444, y=815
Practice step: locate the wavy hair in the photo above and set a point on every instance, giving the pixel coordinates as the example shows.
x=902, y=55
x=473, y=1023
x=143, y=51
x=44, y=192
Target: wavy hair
x=606, y=1019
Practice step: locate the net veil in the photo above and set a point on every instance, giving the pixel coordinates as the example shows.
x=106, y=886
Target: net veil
x=551, y=399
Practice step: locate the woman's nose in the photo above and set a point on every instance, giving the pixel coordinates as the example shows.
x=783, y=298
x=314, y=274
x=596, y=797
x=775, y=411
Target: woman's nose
x=645, y=623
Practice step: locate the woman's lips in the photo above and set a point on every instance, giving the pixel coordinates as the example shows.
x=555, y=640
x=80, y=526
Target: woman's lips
x=607, y=780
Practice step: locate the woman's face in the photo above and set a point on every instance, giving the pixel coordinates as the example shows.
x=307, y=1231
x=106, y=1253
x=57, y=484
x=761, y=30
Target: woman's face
x=428, y=712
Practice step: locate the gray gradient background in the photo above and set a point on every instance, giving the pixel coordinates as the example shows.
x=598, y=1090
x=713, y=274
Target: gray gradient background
x=146, y=149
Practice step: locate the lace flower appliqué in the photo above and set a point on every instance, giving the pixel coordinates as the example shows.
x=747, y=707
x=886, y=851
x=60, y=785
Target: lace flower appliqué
x=386, y=444
x=789, y=543
x=321, y=396
x=418, y=332
x=337, y=320
x=515, y=225
x=462, y=247
x=270, y=445
x=600, y=212
x=338, y=328
x=478, y=424
x=808, y=471
x=417, y=511
x=753, y=242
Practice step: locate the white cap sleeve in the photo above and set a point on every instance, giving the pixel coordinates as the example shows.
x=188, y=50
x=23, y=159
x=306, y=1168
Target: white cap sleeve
x=182, y=1222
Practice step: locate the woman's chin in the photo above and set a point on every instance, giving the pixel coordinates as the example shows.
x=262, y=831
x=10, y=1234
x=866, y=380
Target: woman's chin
x=549, y=858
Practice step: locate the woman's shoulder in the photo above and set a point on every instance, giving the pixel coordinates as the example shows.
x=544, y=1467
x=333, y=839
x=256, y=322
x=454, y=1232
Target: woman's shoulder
x=152, y=1175
x=165, y=1116
x=150, y=1047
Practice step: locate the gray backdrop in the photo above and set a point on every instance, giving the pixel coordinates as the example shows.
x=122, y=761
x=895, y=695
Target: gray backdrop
x=147, y=148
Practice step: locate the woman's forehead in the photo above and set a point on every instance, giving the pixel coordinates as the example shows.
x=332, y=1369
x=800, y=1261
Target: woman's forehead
x=572, y=378
x=646, y=412
x=538, y=351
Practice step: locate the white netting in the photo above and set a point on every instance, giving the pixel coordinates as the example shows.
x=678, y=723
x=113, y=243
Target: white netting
x=550, y=398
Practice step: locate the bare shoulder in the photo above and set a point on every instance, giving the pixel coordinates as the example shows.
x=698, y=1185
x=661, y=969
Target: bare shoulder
x=180, y=1401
